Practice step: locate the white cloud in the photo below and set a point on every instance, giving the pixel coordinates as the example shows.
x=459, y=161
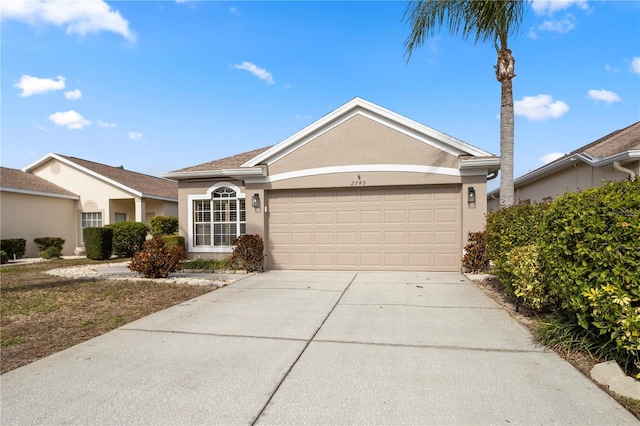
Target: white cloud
x=603, y=95
x=106, y=125
x=609, y=68
x=135, y=136
x=540, y=107
x=561, y=26
x=549, y=7
x=79, y=17
x=261, y=73
x=70, y=120
x=73, y=94
x=35, y=86
x=551, y=157
x=635, y=65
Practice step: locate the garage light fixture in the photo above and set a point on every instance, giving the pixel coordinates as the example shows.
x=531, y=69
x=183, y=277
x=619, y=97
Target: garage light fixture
x=471, y=195
x=255, y=200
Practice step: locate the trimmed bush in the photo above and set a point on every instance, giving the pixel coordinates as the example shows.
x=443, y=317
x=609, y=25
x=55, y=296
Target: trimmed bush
x=174, y=241
x=509, y=228
x=98, y=243
x=156, y=260
x=529, y=284
x=475, y=257
x=206, y=264
x=128, y=237
x=3, y=257
x=44, y=243
x=14, y=247
x=591, y=249
x=163, y=225
x=51, y=252
x=248, y=253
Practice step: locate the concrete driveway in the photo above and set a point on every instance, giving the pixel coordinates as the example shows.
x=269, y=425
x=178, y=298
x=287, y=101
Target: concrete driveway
x=292, y=347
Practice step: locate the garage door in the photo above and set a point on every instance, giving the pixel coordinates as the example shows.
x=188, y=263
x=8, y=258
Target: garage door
x=412, y=228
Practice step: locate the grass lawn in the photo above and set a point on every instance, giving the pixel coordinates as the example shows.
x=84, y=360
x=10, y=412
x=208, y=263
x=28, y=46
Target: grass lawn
x=42, y=314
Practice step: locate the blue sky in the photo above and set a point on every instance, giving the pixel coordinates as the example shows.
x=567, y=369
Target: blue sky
x=156, y=86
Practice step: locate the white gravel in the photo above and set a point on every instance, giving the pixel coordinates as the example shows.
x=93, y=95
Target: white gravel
x=119, y=271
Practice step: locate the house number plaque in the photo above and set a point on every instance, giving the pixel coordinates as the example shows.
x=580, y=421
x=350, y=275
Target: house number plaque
x=358, y=182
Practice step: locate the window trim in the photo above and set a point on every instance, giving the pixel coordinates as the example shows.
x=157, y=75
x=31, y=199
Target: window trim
x=208, y=196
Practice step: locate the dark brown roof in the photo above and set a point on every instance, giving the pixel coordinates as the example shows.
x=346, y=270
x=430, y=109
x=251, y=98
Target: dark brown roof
x=17, y=179
x=232, y=162
x=145, y=184
x=622, y=140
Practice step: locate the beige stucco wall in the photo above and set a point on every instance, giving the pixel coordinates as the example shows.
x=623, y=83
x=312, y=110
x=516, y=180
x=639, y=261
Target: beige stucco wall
x=571, y=179
x=99, y=196
x=33, y=216
x=360, y=140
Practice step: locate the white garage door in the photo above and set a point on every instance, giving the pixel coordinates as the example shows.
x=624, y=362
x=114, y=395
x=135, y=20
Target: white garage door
x=412, y=228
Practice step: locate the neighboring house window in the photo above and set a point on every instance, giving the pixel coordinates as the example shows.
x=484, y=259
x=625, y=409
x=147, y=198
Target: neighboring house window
x=91, y=220
x=121, y=217
x=220, y=219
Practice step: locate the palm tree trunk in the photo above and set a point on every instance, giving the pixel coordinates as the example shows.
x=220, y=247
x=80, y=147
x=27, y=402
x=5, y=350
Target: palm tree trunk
x=507, y=128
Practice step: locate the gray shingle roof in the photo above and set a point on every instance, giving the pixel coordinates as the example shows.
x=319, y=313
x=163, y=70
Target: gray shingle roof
x=232, y=162
x=17, y=179
x=617, y=142
x=147, y=185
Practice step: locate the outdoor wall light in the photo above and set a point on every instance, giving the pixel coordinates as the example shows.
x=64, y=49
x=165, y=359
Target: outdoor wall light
x=255, y=200
x=471, y=195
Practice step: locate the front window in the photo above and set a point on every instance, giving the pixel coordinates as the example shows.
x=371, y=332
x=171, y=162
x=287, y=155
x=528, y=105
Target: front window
x=91, y=220
x=220, y=220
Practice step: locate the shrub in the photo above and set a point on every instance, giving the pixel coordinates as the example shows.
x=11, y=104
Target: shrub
x=156, y=260
x=174, y=241
x=128, y=237
x=44, y=243
x=206, y=264
x=528, y=282
x=248, y=253
x=591, y=249
x=163, y=225
x=51, y=252
x=3, y=257
x=508, y=228
x=14, y=247
x=475, y=257
x=98, y=243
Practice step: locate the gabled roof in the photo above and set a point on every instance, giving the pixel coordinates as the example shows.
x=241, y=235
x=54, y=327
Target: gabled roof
x=136, y=183
x=14, y=180
x=224, y=166
x=620, y=145
x=251, y=163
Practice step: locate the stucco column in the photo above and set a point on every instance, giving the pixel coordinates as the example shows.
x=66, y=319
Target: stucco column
x=473, y=214
x=140, y=210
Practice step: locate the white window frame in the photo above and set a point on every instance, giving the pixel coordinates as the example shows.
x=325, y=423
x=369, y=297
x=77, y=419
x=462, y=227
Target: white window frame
x=204, y=197
x=82, y=223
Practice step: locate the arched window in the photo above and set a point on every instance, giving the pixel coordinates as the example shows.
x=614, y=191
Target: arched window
x=219, y=220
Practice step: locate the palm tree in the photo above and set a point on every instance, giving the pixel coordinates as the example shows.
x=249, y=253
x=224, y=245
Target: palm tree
x=494, y=21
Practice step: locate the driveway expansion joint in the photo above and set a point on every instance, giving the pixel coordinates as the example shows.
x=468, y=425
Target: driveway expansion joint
x=243, y=336
x=293, y=364
x=424, y=306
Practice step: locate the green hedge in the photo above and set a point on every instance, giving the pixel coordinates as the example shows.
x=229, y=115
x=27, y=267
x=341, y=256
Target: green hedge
x=98, y=243
x=174, y=241
x=128, y=237
x=510, y=228
x=14, y=247
x=163, y=225
x=591, y=250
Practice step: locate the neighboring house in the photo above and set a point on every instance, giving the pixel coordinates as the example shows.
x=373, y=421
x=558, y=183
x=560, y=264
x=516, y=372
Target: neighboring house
x=58, y=196
x=614, y=157
x=32, y=207
x=363, y=188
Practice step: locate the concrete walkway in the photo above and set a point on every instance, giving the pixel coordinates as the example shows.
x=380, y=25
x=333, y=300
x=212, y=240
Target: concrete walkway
x=295, y=347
